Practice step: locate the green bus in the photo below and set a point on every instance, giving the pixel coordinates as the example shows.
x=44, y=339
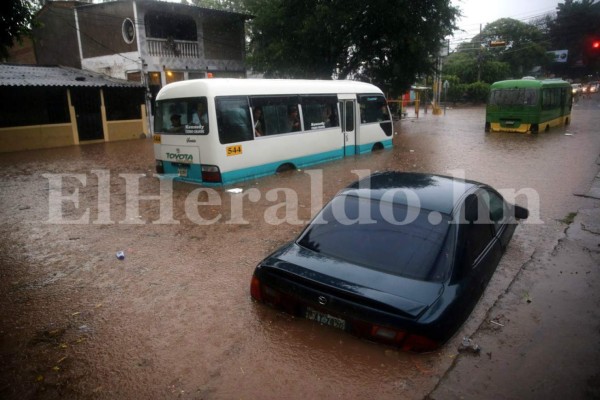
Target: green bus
x=528, y=105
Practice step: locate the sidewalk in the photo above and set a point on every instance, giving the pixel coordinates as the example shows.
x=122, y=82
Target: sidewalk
x=545, y=329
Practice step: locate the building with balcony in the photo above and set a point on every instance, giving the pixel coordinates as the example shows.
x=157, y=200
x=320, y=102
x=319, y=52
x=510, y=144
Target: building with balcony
x=147, y=41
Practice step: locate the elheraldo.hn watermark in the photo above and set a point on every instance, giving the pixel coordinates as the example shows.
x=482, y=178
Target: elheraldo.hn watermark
x=64, y=192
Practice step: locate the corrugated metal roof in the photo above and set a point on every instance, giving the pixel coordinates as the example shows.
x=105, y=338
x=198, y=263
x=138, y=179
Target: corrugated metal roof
x=36, y=75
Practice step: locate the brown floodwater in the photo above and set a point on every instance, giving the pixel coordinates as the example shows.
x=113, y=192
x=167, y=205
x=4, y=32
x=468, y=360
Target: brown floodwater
x=174, y=318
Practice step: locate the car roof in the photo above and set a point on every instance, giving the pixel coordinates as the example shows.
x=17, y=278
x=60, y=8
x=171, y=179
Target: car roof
x=435, y=192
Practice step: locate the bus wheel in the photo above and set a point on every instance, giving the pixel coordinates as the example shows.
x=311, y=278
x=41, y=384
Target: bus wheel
x=534, y=128
x=567, y=121
x=547, y=128
x=377, y=147
x=286, y=167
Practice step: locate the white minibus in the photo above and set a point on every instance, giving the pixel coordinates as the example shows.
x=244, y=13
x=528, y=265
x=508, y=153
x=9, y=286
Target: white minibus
x=221, y=131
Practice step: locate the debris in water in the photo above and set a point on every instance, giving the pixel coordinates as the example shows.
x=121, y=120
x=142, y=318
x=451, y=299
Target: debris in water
x=235, y=190
x=121, y=255
x=469, y=346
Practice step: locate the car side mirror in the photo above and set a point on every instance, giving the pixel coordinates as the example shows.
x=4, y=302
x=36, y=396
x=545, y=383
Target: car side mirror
x=521, y=212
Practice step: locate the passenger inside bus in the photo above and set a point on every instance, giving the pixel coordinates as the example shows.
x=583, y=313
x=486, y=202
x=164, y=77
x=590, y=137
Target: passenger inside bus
x=293, y=119
x=176, y=126
x=329, y=117
x=200, y=117
x=258, y=121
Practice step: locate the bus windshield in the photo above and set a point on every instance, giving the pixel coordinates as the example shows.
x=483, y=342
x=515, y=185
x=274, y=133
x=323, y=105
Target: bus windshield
x=187, y=116
x=514, y=97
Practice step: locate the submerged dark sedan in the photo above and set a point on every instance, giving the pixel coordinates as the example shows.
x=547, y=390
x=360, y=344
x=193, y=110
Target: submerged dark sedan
x=399, y=258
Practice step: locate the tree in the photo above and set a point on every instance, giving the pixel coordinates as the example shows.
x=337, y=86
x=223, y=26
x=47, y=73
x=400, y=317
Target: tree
x=575, y=27
x=525, y=45
x=17, y=18
x=387, y=42
x=522, y=47
x=226, y=5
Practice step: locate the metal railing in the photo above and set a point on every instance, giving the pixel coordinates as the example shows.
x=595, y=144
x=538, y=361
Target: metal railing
x=173, y=48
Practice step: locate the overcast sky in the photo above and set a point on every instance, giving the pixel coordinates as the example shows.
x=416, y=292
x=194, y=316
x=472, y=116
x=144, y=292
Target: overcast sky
x=476, y=12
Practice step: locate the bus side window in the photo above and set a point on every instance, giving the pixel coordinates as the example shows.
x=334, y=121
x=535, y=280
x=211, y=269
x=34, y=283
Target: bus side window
x=319, y=112
x=276, y=115
x=233, y=118
x=275, y=119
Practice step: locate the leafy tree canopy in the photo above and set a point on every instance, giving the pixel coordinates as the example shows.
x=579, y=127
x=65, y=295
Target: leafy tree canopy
x=524, y=47
x=387, y=42
x=16, y=18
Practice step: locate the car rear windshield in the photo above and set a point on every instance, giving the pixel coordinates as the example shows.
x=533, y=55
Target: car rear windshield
x=400, y=240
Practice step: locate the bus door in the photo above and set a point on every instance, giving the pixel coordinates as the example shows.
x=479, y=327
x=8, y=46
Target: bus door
x=348, y=119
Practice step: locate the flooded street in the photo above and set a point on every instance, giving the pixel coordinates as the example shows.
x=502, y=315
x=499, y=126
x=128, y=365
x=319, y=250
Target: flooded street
x=174, y=318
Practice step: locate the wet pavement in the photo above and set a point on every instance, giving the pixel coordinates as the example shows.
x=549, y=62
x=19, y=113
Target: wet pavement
x=174, y=319
x=541, y=339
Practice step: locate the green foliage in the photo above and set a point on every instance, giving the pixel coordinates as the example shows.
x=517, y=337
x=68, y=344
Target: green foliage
x=462, y=64
x=387, y=42
x=525, y=46
x=576, y=23
x=16, y=19
x=458, y=92
x=477, y=61
x=478, y=92
x=493, y=71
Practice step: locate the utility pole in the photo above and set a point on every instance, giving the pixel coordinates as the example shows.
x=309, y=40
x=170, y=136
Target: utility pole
x=479, y=57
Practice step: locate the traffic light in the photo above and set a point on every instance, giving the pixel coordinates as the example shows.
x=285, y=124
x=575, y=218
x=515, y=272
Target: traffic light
x=497, y=43
x=596, y=45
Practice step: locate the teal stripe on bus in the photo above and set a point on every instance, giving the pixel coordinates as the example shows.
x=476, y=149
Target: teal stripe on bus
x=194, y=173
x=367, y=148
x=269, y=169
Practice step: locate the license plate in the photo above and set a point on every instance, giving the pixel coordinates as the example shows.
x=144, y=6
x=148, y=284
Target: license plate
x=325, y=319
x=183, y=171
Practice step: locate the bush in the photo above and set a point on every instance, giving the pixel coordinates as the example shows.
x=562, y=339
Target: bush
x=457, y=93
x=478, y=92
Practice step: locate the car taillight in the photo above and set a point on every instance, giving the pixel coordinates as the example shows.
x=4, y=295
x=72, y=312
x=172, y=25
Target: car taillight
x=401, y=338
x=419, y=344
x=271, y=296
x=387, y=334
x=211, y=173
x=264, y=293
x=255, y=290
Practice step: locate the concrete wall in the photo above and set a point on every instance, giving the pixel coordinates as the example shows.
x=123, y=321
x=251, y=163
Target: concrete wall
x=58, y=135
x=55, y=38
x=36, y=137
